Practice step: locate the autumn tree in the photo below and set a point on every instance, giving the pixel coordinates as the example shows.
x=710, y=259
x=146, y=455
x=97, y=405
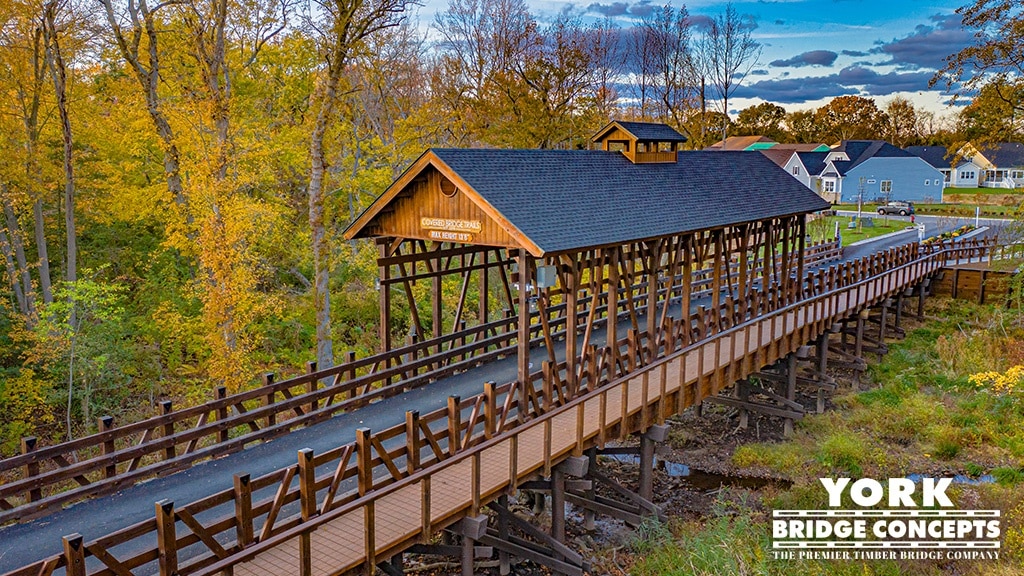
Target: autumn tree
x=850, y=118
x=765, y=119
x=23, y=75
x=803, y=126
x=340, y=27
x=991, y=116
x=901, y=122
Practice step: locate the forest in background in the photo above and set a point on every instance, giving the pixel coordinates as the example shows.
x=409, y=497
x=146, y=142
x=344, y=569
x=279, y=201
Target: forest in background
x=176, y=176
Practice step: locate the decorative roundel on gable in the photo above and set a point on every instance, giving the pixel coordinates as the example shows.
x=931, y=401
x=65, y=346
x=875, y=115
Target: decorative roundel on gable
x=448, y=187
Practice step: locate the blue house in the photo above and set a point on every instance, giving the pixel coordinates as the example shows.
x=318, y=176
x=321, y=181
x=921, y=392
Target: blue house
x=875, y=171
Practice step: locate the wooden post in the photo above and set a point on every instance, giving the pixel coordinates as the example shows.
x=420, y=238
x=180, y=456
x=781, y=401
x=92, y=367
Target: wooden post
x=790, y=389
x=653, y=284
x=412, y=441
x=166, y=408
x=106, y=424
x=611, y=326
x=166, y=541
x=921, y=289
x=484, y=288
x=523, y=342
x=384, y=297
x=221, y=393
x=558, y=506
x=588, y=515
x=504, y=567
x=822, y=352
x=311, y=386
x=74, y=555
x=307, y=503
x=743, y=394
x=243, y=510
x=490, y=410
x=31, y=469
x=858, y=344
x=571, y=328
x=364, y=463
x=801, y=246
x=268, y=399
x=454, y=424
x=882, y=321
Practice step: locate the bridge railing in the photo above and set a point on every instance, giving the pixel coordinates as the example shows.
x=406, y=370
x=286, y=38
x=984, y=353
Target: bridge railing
x=250, y=511
x=384, y=521
x=45, y=478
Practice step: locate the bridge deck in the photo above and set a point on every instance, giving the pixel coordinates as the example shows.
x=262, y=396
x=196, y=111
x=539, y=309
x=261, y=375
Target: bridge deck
x=26, y=543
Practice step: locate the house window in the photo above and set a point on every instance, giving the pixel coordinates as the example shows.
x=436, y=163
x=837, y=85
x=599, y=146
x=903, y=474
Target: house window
x=1017, y=174
x=927, y=181
x=967, y=175
x=796, y=170
x=871, y=181
x=886, y=186
x=828, y=185
x=938, y=182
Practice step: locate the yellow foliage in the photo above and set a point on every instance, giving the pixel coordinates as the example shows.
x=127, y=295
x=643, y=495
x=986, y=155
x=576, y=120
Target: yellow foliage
x=999, y=382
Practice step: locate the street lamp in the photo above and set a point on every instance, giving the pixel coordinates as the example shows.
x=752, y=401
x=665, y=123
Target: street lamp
x=860, y=203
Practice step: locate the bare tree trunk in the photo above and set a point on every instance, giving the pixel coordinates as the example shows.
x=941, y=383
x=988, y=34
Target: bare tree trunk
x=41, y=250
x=321, y=254
x=12, y=274
x=58, y=71
x=18, y=243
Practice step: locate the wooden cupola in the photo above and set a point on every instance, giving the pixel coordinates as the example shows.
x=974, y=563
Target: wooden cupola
x=641, y=142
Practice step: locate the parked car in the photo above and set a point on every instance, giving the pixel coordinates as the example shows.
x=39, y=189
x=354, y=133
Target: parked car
x=897, y=207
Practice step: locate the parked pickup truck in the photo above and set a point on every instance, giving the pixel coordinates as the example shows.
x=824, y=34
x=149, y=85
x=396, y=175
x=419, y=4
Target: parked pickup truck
x=896, y=207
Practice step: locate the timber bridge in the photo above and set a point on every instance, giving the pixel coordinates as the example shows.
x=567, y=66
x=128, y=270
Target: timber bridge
x=598, y=293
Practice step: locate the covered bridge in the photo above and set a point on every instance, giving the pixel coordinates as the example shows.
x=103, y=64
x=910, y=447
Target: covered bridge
x=559, y=238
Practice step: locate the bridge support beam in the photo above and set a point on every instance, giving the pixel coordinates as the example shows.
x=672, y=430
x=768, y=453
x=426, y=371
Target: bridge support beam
x=790, y=390
x=922, y=291
x=653, y=435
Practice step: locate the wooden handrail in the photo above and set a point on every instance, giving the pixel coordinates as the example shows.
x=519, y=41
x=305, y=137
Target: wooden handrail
x=889, y=271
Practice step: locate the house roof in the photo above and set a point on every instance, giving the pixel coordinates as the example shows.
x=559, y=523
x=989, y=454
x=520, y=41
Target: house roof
x=1005, y=154
x=937, y=156
x=800, y=147
x=739, y=143
x=780, y=157
x=859, y=151
x=814, y=162
x=562, y=200
x=644, y=131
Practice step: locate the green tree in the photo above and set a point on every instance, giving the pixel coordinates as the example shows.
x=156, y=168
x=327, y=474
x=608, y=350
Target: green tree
x=850, y=118
x=765, y=119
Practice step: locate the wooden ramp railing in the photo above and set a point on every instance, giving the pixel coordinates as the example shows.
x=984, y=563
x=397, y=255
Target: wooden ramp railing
x=46, y=478
x=393, y=488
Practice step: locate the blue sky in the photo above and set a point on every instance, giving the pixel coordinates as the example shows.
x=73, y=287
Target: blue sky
x=814, y=50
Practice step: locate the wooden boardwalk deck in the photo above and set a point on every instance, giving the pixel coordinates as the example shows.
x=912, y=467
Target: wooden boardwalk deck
x=472, y=461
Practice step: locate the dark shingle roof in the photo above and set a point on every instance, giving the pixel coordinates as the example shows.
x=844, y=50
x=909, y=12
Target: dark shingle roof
x=859, y=151
x=570, y=199
x=652, y=131
x=814, y=162
x=1005, y=154
x=934, y=155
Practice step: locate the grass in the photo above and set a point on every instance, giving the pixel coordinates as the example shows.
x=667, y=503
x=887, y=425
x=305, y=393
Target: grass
x=825, y=227
x=987, y=191
x=919, y=414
